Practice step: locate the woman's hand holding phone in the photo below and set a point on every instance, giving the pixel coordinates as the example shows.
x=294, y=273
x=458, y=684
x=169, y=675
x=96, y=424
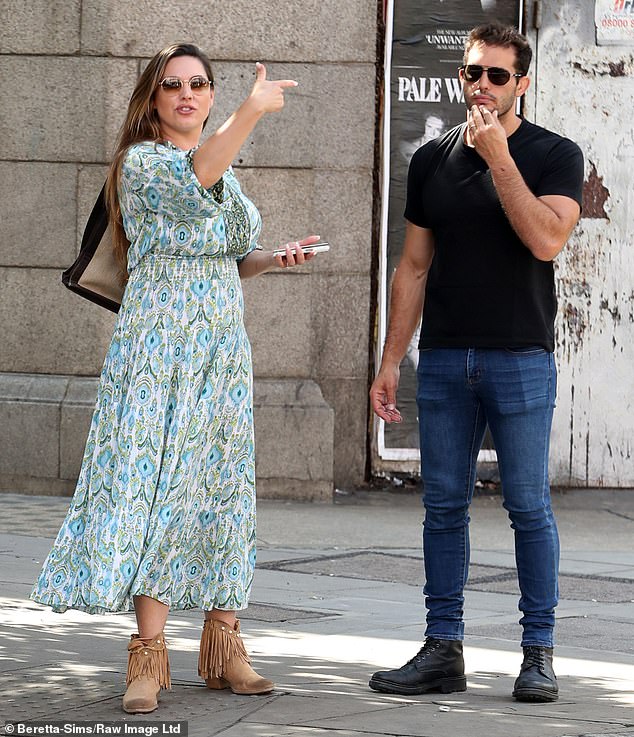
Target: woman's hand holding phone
x=298, y=252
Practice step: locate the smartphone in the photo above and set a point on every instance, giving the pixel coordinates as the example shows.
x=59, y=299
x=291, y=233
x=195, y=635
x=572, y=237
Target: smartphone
x=313, y=248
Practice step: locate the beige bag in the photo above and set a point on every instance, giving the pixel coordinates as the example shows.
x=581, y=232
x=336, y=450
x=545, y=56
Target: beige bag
x=95, y=274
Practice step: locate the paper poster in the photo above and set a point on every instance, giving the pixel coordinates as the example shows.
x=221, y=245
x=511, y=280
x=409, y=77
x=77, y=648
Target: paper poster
x=425, y=43
x=614, y=20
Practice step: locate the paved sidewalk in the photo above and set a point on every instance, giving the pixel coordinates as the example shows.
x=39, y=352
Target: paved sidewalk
x=337, y=596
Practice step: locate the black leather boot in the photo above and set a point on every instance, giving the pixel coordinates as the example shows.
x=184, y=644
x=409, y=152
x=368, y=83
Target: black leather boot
x=438, y=666
x=537, y=680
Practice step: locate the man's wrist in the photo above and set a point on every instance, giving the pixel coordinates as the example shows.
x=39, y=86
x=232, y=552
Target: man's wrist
x=502, y=164
x=389, y=361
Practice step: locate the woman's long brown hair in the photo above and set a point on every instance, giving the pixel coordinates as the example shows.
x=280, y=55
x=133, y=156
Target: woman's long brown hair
x=141, y=124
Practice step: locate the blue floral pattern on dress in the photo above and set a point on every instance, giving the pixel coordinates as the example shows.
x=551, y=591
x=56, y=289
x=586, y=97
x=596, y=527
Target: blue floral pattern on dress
x=165, y=501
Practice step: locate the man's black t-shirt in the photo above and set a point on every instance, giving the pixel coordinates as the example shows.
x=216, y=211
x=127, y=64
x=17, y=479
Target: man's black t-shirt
x=485, y=289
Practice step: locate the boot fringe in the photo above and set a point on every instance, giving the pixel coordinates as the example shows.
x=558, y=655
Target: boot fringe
x=219, y=645
x=148, y=658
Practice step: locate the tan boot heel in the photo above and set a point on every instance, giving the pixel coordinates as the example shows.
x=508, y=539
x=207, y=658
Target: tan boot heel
x=148, y=673
x=223, y=662
x=216, y=683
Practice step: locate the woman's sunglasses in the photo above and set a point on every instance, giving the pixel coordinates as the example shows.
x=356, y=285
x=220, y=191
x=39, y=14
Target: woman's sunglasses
x=496, y=75
x=197, y=84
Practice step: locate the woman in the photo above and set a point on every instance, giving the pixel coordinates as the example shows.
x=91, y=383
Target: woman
x=163, y=516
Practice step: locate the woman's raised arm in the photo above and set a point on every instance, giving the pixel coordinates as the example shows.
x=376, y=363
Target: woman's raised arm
x=216, y=154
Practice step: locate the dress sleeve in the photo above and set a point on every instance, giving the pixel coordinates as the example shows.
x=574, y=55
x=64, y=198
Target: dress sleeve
x=161, y=179
x=242, y=220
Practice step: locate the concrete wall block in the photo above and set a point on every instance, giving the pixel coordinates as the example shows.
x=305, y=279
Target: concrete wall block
x=306, y=433
x=41, y=486
x=327, y=121
x=285, y=199
x=343, y=210
x=29, y=424
x=291, y=31
x=47, y=389
x=37, y=214
x=334, y=204
x=293, y=416
x=40, y=26
x=350, y=397
x=33, y=388
x=81, y=392
x=282, y=392
x=341, y=120
x=15, y=387
x=30, y=438
x=76, y=413
x=278, y=320
x=52, y=330
x=71, y=109
x=73, y=432
x=340, y=316
x=297, y=490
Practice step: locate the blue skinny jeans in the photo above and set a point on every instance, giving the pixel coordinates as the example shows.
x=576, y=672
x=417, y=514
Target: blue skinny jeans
x=460, y=391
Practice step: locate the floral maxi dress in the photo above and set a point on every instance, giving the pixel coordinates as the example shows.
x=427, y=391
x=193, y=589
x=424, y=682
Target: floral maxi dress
x=165, y=501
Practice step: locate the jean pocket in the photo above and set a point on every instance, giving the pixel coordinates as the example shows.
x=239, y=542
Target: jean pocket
x=527, y=350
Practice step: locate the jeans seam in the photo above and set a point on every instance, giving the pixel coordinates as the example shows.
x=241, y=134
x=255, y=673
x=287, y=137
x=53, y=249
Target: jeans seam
x=467, y=499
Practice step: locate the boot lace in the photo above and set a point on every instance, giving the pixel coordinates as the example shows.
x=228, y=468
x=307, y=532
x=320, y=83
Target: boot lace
x=429, y=647
x=534, y=655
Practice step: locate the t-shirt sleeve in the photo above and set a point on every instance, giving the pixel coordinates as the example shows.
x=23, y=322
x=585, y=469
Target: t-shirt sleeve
x=416, y=175
x=161, y=179
x=563, y=172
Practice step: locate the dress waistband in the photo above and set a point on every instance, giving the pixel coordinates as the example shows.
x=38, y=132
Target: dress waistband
x=187, y=267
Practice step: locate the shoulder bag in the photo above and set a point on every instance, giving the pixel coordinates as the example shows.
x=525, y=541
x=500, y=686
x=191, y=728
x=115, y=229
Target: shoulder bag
x=96, y=275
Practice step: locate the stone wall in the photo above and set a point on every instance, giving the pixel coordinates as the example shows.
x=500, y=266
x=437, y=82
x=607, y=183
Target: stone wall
x=67, y=70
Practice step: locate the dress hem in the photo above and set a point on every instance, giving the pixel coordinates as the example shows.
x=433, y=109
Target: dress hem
x=96, y=609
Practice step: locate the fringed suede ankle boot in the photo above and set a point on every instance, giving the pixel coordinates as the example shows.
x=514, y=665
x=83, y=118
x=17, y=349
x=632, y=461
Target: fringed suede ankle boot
x=223, y=662
x=148, y=673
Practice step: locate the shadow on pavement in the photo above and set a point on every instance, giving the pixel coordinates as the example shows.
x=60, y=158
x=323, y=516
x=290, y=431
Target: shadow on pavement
x=72, y=667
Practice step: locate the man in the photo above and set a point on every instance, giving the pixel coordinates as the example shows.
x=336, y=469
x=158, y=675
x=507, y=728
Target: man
x=489, y=205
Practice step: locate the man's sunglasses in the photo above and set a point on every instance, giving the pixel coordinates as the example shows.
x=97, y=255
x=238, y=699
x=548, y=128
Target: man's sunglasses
x=197, y=84
x=496, y=75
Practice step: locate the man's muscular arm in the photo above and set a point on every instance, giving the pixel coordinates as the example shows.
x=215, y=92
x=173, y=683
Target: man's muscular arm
x=406, y=304
x=544, y=223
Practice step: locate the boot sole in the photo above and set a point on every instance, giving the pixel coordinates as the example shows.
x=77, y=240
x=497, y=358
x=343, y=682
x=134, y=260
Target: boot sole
x=140, y=710
x=220, y=683
x=253, y=693
x=444, y=685
x=534, y=694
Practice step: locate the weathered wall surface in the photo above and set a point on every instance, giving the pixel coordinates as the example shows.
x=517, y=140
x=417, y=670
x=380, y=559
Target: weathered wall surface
x=586, y=92
x=67, y=68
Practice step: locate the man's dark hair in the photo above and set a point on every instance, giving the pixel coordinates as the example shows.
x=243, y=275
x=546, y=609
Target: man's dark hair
x=497, y=34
